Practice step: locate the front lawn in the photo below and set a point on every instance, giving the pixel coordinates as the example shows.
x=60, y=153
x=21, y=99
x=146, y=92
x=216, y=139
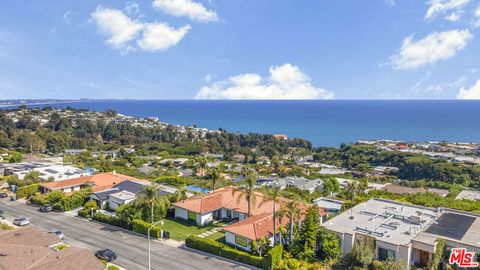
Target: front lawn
x=179, y=229
x=218, y=236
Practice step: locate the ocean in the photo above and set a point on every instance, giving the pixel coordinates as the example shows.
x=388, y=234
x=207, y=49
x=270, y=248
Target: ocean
x=323, y=122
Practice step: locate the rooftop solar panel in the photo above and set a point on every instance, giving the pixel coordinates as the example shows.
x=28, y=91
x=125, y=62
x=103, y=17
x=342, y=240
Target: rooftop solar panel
x=451, y=225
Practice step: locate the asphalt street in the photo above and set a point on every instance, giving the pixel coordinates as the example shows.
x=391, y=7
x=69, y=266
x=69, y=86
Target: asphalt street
x=132, y=249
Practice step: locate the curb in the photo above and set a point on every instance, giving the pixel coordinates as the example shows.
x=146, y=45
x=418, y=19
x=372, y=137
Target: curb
x=180, y=246
x=219, y=257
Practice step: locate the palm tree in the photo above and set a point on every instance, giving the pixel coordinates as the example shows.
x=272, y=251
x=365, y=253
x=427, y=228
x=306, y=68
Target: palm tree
x=273, y=195
x=355, y=187
x=292, y=213
x=180, y=194
x=214, y=176
x=150, y=195
x=247, y=192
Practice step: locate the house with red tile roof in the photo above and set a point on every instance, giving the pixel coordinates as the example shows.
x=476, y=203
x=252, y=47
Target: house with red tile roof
x=229, y=204
x=97, y=182
x=224, y=203
x=30, y=248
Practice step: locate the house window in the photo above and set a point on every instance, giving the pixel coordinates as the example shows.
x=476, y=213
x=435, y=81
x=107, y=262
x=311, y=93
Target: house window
x=241, y=241
x=386, y=254
x=192, y=216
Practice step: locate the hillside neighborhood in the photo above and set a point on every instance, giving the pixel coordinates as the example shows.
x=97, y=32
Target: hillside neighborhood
x=261, y=202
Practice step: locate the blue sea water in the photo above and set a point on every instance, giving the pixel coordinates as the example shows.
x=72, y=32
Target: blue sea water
x=324, y=123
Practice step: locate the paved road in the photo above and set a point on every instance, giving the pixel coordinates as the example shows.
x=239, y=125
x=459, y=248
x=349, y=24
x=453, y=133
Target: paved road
x=132, y=249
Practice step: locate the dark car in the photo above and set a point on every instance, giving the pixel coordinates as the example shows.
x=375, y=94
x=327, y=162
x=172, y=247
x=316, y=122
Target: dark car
x=2, y=215
x=46, y=208
x=3, y=195
x=106, y=254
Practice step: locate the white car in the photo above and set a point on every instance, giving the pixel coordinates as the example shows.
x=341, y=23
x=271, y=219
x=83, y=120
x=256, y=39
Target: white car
x=21, y=221
x=58, y=233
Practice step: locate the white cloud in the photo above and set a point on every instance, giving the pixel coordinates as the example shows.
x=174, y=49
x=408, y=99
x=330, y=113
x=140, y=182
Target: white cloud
x=454, y=16
x=118, y=27
x=67, y=17
x=431, y=49
x=188, y=8
x=443, y=6
x=122, y=31
x=132, y=8
x=92, y=85
x=209, y=77
x=477, y=14
x=391, y=2
x=284, y=82
x=160, y=36
x=470, y=93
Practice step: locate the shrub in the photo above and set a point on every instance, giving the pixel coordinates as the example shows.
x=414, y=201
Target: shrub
x=216, y=248
x=274, y=256
x=141, y=226
x=84, y=213
x=90, y=204
x=106, y=219
x=389, y=265
x=4, y=226
x=27, y=191
x=38, y=199
x=63, y=202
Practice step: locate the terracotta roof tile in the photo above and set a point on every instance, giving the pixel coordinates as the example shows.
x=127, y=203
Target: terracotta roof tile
x=28, y=249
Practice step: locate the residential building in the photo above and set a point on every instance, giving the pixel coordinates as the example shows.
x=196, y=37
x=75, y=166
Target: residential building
x=405, y=232
x=229, y=204
x=30, y=248
x=473, y=195
x=300, y=183
x=242, y=233
x=330, y=205
x=97, y=182
x=398, y=189
x=280, y=137
x=371, y=186
x=48, y=171
x=124, y=193
x=381, y=170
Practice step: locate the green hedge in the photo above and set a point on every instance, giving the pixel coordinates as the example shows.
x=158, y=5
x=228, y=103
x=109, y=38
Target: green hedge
x=75, y=200
x=216, y=248
x=38, y=199
x=274, y=256
x=107, y=219
x=141, y=226
x=27, y=191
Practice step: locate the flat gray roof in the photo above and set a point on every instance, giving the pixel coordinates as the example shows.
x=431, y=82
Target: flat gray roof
x=387, y=221
x=468, y=195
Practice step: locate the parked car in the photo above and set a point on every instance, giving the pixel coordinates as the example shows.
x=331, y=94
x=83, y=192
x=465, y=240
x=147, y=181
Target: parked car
x=3, y=215
x=106, y=254
x=46, y=208
x=3, y=195
x=58, y=233
x=21, y=221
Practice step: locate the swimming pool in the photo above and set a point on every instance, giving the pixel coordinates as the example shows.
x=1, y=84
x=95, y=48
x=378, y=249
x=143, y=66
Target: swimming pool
x=198, y=189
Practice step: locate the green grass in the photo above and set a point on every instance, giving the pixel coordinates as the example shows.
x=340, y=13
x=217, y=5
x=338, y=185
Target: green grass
x=180, y=230
x=218, y=236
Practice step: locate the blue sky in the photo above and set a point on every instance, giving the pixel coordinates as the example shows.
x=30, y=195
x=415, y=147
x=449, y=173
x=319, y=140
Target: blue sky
x=240, y=49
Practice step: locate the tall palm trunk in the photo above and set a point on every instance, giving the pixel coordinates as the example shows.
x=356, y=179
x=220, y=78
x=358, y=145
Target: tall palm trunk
x=249, y=205
x=291, y=225
x=274, y=224
x=151, y=212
